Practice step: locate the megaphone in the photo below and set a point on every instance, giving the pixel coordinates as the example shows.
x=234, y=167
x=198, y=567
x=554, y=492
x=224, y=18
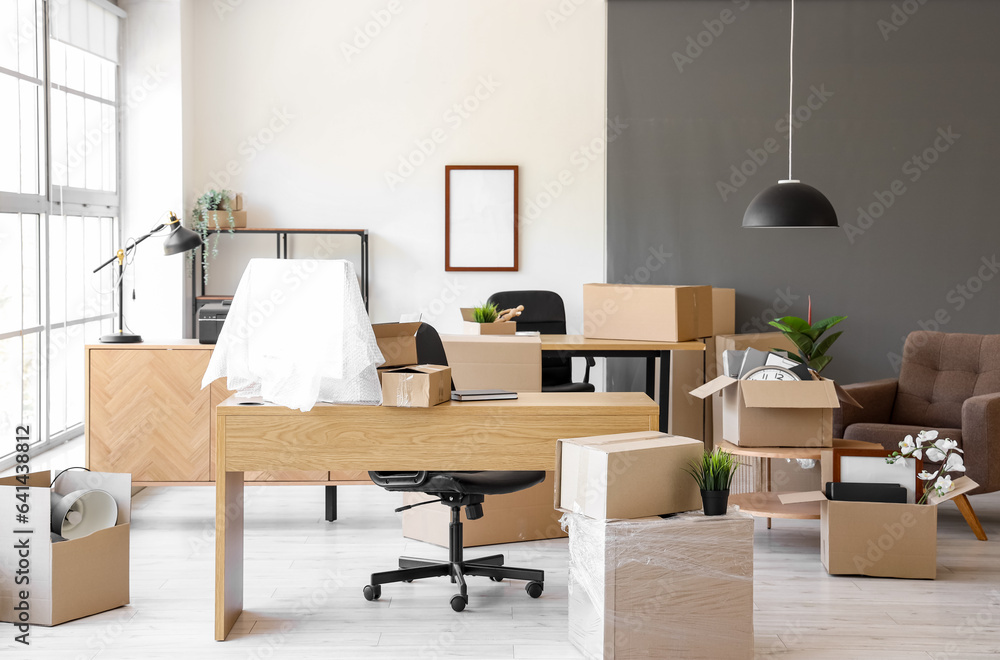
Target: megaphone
x=83, y=512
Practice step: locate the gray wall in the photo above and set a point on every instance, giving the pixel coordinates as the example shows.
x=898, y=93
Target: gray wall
x=920, y=264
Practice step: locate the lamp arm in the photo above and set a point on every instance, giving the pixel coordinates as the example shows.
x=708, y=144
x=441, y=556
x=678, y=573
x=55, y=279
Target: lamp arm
x=121, y=254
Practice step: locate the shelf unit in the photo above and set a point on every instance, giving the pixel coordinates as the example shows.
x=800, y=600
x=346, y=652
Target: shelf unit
x=281, y=247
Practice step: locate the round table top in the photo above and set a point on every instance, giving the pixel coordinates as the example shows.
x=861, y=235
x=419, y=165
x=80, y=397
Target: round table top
x=796, y=452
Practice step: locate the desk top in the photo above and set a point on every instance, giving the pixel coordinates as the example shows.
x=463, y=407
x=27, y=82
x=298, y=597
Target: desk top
x=552, y=403
x=581, y=343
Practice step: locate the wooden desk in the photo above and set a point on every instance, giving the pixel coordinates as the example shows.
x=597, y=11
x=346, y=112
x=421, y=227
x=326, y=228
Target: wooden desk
x=481, y=435
x=580, y=346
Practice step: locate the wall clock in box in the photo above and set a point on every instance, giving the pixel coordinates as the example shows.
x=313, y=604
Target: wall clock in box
x=480, y=217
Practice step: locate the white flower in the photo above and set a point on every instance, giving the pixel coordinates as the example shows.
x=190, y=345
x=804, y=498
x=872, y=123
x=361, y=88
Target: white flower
x=907, y=445
x=927, y=476
x=947, y=444
x=954, y=464
x=926, y=436
x=943, y=486
x=898, y=458
x=934, y=454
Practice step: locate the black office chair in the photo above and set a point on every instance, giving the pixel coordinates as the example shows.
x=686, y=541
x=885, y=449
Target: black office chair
x=455, y=490
x=545, y=312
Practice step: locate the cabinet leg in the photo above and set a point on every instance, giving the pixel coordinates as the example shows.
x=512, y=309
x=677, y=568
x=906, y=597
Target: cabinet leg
x=331, y=503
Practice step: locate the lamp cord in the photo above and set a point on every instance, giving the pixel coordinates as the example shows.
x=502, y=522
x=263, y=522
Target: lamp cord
x=791, y=90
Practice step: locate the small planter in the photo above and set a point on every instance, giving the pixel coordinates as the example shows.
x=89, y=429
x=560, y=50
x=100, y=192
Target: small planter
x=715, y=502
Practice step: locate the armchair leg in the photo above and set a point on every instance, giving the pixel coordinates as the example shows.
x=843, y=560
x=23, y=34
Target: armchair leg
x=970, y=516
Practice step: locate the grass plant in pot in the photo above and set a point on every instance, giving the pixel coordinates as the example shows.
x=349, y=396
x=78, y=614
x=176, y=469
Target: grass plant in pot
x=714, y=474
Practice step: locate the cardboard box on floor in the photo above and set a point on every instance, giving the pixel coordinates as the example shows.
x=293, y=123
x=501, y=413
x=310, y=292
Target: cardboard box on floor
x=526, y=515
x=494, y=362
x=68, y=579
x=626, y=475
x=879, y=539
x=471, y=327
x=649, y=312
x=675, y=587
x=397, y=342
x=416, y=386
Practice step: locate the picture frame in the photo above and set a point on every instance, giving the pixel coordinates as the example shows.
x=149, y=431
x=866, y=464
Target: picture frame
x=866, y=465
x=481, y=218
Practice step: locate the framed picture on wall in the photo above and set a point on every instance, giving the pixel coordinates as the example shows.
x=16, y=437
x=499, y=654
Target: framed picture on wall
x=480, y=217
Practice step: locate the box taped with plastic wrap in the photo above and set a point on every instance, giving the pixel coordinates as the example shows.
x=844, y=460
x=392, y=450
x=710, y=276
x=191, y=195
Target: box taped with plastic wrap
x=416, y=386
x=680, y=586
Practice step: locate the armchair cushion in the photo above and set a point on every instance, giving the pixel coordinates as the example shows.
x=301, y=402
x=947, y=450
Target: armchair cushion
x=889, y=435
x=981, y=426
x=876, y=397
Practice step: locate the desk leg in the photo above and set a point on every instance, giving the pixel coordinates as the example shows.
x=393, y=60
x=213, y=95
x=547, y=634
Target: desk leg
x=651, y=377
x=228, y=540
x=664, y=391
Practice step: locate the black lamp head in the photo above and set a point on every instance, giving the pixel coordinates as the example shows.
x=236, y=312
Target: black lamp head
x=181, y=239
x=790, y=204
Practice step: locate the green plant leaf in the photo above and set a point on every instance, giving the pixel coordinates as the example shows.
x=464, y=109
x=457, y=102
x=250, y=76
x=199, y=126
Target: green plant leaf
x=819, y=364
x=795, y=323
x=826, y=324
x=780, y=326
x=825, y=345
x=804, y=343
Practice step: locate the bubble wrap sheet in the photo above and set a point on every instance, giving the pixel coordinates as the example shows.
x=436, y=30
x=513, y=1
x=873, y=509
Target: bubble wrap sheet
x=298, y=333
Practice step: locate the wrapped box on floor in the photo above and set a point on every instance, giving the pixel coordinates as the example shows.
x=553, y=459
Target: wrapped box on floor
x=673, y=587
x=67, y=579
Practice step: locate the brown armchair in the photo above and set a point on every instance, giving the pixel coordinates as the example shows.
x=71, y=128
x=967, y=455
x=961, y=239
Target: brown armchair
x=947, y=382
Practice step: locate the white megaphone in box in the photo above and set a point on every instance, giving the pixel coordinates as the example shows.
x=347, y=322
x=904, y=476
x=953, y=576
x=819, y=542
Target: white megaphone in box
x=83, y=512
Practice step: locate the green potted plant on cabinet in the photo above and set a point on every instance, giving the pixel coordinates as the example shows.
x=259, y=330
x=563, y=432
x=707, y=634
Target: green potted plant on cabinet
x=206, y=214
x=714, y=475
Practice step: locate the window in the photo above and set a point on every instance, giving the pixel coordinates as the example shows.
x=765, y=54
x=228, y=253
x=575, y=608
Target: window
x=59, y=197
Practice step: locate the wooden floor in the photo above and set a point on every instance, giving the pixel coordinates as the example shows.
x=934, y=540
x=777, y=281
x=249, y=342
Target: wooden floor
x=305, y=576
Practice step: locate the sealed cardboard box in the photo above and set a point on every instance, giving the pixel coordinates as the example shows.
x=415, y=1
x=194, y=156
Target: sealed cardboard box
x=627, y=475
x=674, y=587
x=723, y=311
x=397, y=343
x=494, y=362
x=471, y=327
x=647, y=312
x=416, y=386
x=879, y=539
x=69, y=579
x=526, y=515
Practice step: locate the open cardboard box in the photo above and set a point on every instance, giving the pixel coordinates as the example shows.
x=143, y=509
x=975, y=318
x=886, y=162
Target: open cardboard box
x=68, y=579
x=397, y=342
x=761, y=413
x=650, y=312
x=471, y=327
x=415, y=386
x=626, y=475
x=485, y=362
x=879, y=539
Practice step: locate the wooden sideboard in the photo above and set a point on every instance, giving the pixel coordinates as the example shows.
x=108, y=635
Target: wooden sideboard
x=146, y=414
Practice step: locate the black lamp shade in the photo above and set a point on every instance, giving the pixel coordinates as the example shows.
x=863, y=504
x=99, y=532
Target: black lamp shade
x=789, y=205
x=181, y=239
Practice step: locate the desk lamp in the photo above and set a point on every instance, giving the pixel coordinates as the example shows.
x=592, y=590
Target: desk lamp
x=180, y=239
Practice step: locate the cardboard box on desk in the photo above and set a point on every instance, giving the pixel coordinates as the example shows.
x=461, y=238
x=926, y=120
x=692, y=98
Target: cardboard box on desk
x=492, y=362
x=397, y=342
x=626, y=475
x=675, y=587
x=68, y=579
x=416, y=386
x=759, y=413
x=879, y=539
x=526, y=515
x=471, y=327
x=647, y=312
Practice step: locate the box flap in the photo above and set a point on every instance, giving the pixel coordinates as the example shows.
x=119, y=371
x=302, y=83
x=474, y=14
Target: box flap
x=395, y=329
x=799, y=498
x=713, y=386
x=416, y=369
x=845, y=397
x=789, y=394
x=468, y=314
x=397, y=342
x=35, y=480
x=962, y=486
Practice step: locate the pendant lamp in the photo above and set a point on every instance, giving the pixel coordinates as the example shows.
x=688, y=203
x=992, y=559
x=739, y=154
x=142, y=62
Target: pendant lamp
x=791, y=203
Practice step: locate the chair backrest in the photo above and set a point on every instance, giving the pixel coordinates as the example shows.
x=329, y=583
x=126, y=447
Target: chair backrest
x=939, y=372
x=544, y=312
x=430, y=350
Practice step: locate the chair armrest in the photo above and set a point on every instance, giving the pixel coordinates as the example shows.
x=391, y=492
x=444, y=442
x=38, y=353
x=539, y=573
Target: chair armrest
x=877, y=398
x=981, y=440
x=590, y=363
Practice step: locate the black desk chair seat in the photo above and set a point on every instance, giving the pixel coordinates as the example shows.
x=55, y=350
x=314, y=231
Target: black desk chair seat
x=455, y=490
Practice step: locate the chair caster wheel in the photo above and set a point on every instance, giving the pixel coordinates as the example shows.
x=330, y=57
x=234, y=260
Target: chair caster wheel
x=458, y=602
x=373, y=592
x=496, y=579
x=534, y=589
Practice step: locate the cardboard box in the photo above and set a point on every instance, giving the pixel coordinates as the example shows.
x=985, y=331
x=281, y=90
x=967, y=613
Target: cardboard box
x=416, y=386
x=220, y=219
x=723, y=311
x=491, y=362
x=627, y=475
x=878, y=539
x=676, y=587
x=471, y=327
x=776, y=413
x=397, y=342
x=526, y=515
x=68, y=579
x=647, y=312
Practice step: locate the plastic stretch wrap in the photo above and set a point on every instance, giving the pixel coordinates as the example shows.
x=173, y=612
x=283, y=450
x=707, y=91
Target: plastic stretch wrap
x=674, y=587
x=298, y=333
x=403, y=388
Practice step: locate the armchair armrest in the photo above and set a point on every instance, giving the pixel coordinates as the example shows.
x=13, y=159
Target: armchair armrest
x=981, y=440
x=877, y=398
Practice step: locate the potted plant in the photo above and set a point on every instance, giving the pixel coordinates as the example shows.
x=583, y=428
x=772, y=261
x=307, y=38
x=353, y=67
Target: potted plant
x=485, y=313
x=943, y=451
x=807, y=338
x=205, y=216
x=714, y=474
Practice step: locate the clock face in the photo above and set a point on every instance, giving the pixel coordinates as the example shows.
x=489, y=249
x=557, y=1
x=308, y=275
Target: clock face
x=770, y=373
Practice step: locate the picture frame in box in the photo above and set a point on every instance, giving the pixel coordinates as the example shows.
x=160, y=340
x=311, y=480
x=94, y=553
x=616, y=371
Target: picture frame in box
x=869, y=466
